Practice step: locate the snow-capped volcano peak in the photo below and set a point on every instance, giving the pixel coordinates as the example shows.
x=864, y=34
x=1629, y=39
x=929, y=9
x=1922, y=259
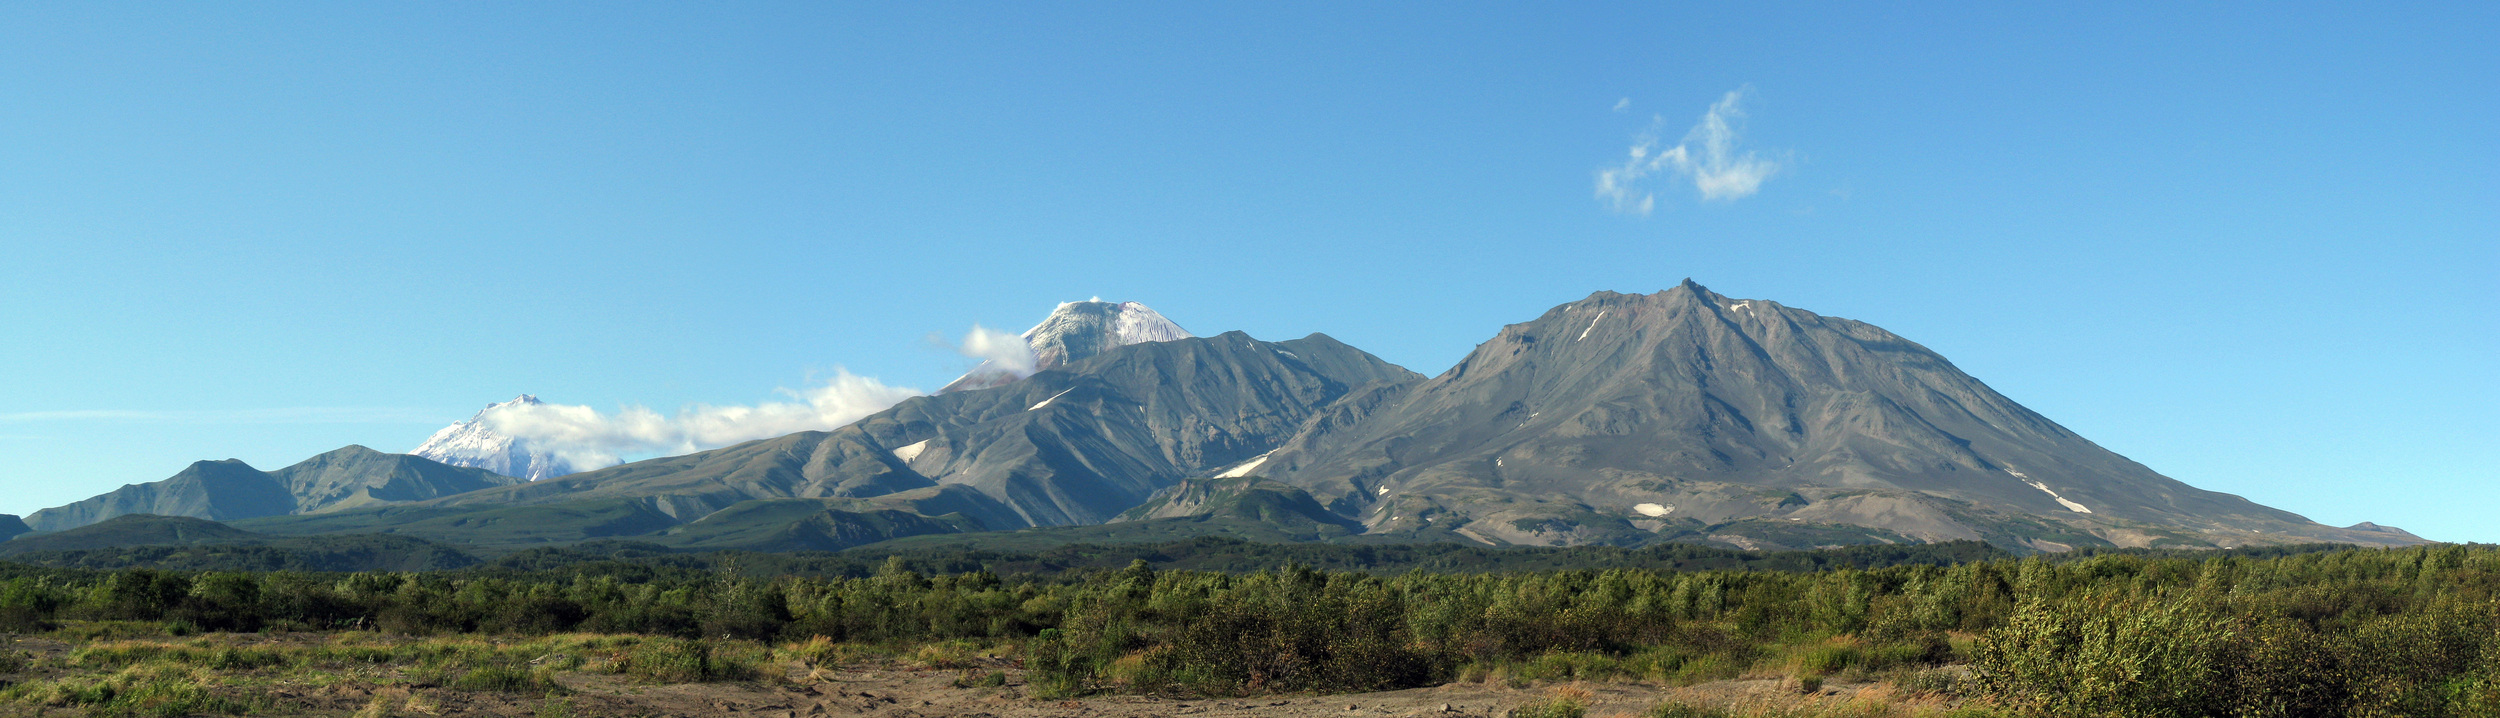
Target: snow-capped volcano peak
x=470, y=443
x=1075, y=331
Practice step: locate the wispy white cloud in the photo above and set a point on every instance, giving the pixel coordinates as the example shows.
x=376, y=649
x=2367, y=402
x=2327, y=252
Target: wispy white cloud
x=1707, y=156
x=1623, y=104
x=999, y=351
x=589, y=438
x=282, y=415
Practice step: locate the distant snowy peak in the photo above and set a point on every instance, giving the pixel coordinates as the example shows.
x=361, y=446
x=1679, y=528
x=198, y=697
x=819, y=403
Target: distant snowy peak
x=1075, y=331
x=469, y=443
x=1078, y=330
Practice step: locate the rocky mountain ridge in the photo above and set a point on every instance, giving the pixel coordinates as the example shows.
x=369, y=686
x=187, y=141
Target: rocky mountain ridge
x=1620, y=419
x=347, y=478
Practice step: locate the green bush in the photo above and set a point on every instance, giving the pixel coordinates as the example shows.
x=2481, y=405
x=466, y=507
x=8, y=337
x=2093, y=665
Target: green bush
x=504, y=679
x=555, y=707
x=1564, y=704
x=980, y=679
x=674, y=660
x=154, y=691
x=2140, y=657
x=1679, y=709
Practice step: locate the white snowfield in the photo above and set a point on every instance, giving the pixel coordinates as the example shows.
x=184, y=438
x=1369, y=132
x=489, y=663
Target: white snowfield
x=1139, y=325
x=911, y=451
x=469, y=443
x=2044, y=488
x=1084, y=323
x=1653, y=509
x=1244, y=468
x=1584, y=333
x=1046, y=402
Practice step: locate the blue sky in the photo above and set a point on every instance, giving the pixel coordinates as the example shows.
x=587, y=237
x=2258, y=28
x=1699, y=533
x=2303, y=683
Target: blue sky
x=2254, y=248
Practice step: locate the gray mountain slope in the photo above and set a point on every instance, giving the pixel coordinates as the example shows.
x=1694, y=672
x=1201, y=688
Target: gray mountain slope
x=1621, y=416
x=346, y=478
x=12, y=527
x=1076, y=444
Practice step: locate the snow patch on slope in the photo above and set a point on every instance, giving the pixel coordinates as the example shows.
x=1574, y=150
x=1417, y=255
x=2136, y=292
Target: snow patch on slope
x=1244, y=468
x=1653, y=509
x=1584, y=333
x=2044, y=488
x=912, y=450
x=1046, y=402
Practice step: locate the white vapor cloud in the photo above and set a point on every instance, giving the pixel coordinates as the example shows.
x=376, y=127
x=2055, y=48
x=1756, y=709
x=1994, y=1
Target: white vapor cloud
x=1707, y=157
x=1000, y=350
x=590, y=439
x=1623, y=104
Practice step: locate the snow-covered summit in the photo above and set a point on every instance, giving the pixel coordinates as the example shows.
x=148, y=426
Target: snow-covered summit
x=469, y=443
x=1075, y=331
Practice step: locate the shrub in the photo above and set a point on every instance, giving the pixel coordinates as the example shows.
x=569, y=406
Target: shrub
x=980, y=679
x=943, y=656
x=748, y=612
x=23, y=619
x=1562, y=702
x=676, y=660
x=505, y=679
x=815, y=652
x=539, y=615
x=140, y=595
x=146, y=690
x=1827, y=659
x=555, y=707
x=1679, y=709
x=2107, y=657
x=1931, y=682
